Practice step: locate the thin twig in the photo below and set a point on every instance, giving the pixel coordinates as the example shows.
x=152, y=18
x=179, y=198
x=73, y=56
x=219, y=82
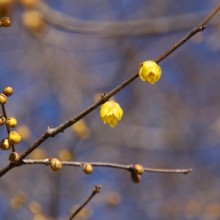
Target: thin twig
x=7, y=128
x=51, y=132
x=109, y=165
x=95, y=190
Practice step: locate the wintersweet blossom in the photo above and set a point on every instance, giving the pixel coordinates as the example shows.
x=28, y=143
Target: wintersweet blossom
x=150, y=72
x=111, y=113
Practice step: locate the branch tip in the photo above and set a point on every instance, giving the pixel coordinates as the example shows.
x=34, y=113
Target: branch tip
x=51, y=131
x=188, y=171
x=97, y=188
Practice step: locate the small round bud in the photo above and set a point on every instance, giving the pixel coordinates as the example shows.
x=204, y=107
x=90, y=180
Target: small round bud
x=5, y=145
x=87, y=168
x=14, y=157
x=2, y=120
x=11, y=122
x=8, y=91
x=136, y=178
x=3, y=99
x=14, y=137
x=55, y=164
x=138, y=168
x=6, y=22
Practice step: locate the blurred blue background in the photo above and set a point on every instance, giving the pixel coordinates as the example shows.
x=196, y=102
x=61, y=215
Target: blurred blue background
x=59, y=56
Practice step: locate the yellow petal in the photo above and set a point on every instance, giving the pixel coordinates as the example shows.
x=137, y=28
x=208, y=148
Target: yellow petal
x=150, y=72
x=110, y=113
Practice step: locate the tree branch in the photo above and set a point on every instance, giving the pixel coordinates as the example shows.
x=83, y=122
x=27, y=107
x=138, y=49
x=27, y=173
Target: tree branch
x=109, y=165
x=95, y=190
x=51, y=132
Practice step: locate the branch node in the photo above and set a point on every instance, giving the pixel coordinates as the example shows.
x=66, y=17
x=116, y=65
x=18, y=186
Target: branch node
x=97, y=188
x=203, y=27
x=51, y=131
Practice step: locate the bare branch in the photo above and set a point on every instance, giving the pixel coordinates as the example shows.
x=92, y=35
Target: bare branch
x=109, y=165
x=95, y=190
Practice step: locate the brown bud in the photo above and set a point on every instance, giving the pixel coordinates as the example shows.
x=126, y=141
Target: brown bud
x=138, y=168
x=11, y=122
x=55, y=164
x=14, y=157
x=6, y=22
x=14, y=137
x=136, y=178
x=3, y=99
x=8, y=91
x=87, y=168
x=5, y=145
x=2, y=120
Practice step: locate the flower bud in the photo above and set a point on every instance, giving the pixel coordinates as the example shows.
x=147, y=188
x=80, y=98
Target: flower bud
x=5, y=145
x=136, y=178
x=138, y=168
x=55, y=164
x=87, y=168
x=6, y=22
x=14, y=157
x=3, y=99
x=11, y=122
x=150, y=72
x=2, y=120
x=111, y=113
x=14, y=137
x=8, y=91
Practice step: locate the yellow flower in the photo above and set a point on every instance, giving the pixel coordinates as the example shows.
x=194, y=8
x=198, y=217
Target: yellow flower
x=111, y=113
x=150, y=72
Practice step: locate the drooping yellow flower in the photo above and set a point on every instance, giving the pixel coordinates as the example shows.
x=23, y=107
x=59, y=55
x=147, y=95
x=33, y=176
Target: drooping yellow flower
x=111, y=113
x=150, y=72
